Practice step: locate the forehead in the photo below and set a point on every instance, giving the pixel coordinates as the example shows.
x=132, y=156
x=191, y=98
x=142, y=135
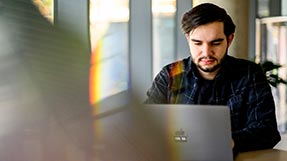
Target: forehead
x=208, y=31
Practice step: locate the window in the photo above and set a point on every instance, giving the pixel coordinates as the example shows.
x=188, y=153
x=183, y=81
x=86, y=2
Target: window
x=263, y=9
x=109, y=47
x=164, y=37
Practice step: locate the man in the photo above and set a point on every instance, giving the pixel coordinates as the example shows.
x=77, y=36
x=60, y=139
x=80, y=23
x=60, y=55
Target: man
x=210, y=76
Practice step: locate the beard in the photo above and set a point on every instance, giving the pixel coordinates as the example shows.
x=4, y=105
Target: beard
x=209, y=70
x=213, y=68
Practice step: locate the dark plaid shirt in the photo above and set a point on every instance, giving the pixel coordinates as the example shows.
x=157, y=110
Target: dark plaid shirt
x=240, y=84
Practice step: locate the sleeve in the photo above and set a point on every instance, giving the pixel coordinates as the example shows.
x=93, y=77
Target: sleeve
x=158, y=92
x=260, y=130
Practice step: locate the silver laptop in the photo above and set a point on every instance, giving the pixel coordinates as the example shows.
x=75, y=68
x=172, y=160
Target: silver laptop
x=194, y=132
x=163, y=133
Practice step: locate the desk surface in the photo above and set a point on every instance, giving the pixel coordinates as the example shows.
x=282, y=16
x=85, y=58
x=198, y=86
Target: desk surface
x=263, y=155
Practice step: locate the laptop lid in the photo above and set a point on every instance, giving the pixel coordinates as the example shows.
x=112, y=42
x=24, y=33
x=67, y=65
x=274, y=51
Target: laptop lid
x=194, y=132
x=137, y=132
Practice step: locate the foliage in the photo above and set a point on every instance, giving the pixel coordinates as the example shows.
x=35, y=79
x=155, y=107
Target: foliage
x=271, y=71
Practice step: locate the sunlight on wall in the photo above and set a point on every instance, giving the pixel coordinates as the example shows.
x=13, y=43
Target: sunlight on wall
x=46, y=7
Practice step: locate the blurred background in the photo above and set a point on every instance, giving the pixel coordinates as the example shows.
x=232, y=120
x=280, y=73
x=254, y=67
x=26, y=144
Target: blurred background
x=67, y=63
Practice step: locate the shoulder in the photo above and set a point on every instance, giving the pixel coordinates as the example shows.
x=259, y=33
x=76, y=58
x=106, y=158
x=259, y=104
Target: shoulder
x=172, y=70
x=241, y=69
x=177, y=67
x=242, y=65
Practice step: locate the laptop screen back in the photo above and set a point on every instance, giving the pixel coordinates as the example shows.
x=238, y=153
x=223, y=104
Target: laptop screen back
x=194, y=132
x=164, y=133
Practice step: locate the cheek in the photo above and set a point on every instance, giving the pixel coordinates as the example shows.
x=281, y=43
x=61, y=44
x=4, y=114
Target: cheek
x=194, y=48
x=224, y=52
x=194, y=51
x=220, y=51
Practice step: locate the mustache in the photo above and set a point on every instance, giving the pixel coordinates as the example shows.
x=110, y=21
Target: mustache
x=207, y=57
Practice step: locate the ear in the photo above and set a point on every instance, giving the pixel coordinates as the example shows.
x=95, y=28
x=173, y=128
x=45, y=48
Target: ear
x=229, y=39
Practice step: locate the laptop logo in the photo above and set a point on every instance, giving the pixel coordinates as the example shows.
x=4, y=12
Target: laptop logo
x=179, y=136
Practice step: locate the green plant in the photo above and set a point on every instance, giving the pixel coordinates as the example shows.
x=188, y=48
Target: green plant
x=271, y=71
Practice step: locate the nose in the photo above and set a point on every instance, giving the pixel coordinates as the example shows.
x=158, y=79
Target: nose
x=206, y=50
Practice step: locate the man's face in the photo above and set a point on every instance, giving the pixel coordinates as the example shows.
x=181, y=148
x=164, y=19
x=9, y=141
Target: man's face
x=208, y=46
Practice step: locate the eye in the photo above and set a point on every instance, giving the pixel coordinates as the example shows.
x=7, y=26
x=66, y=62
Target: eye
x=216, y=43
x=197, y=43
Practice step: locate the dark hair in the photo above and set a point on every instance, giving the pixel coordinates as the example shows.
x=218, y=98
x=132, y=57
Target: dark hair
x=206, y=13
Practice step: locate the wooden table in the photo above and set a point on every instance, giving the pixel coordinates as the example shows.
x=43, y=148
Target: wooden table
x=263, y=155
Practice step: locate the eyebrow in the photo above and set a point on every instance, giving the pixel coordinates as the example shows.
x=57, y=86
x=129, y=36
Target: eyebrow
x=215, y=40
